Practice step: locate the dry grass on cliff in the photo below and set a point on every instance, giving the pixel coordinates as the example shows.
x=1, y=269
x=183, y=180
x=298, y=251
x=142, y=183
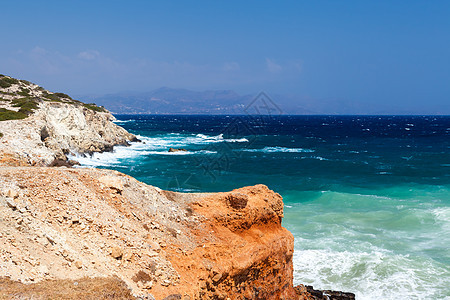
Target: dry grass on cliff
x=85, y=288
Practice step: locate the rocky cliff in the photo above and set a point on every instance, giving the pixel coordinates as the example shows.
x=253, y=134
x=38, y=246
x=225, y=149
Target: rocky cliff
x=59, y=223
x=38, y=127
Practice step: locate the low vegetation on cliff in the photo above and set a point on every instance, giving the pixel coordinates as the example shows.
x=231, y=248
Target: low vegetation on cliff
x=20, y=98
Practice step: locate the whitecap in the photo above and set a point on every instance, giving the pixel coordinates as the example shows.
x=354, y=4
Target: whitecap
x=122, y=121
x=211, y=138
x=279, y=149
x=376, y=274
x=242, y=140
x=218, y=138
x=178, y=152
x=315, y=157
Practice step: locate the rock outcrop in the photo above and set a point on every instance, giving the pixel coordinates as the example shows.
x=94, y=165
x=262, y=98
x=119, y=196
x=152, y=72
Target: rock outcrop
x=39, y=127
x=60, y=223
x=177, y=150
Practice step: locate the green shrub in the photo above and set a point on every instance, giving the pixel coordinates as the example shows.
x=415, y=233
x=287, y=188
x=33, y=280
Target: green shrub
x=24, y=92
x=6, y=82
x=94, y=107
x=62, y=95
x=26, y=105
x=26, y=82
x=6, y=114
x=51, y=97
x=1, y=135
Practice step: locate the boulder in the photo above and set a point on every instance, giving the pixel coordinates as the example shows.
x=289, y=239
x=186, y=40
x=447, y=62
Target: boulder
x=177, y=150
x=116, y=252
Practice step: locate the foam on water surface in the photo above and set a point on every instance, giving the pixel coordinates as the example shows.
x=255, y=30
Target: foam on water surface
x=280, y=149
x=155, y=145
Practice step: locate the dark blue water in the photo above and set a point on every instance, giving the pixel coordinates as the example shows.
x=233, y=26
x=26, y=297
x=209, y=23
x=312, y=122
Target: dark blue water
x=367, y=197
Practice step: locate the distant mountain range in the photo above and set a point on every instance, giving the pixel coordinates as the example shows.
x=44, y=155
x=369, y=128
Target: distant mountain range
x=227, y=102
x=172, y=101
x=182, y=101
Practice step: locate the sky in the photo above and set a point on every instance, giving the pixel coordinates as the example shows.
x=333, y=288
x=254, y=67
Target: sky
x=386, y=53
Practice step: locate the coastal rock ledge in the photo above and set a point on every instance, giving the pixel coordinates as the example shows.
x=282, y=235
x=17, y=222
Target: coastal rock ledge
x=68, y=224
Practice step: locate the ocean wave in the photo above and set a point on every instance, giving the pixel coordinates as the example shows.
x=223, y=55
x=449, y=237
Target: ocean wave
x=280, y=149
x=106, y=159
x=156, y=145
x=379, y=274
x=123, y=121
x=219, y=138
x=177, y=140
x=315, y=157
x=442, y=214
x=178, y=152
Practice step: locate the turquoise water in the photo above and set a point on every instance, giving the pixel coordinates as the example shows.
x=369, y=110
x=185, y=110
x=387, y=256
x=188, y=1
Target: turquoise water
x=366, y=198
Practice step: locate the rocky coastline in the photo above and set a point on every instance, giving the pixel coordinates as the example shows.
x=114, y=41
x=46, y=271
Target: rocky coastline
x=115, y=236
x=39, y=127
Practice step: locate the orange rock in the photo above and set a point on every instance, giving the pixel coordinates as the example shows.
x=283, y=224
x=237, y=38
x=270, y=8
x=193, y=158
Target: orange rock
x=245, y=252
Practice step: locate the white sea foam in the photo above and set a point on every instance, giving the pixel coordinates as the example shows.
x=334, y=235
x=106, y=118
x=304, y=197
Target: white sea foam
x=378, y=274
x=442, y=217
x=315, y=157
x=122, y=121
x=156, y=145
x=178, y=152
x=279, y=149
x=219, y=138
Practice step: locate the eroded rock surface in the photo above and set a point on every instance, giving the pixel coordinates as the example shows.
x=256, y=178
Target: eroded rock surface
x=60, y=223
x=67, y=129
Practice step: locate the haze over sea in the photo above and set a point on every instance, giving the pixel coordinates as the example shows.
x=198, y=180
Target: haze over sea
x=367, y=198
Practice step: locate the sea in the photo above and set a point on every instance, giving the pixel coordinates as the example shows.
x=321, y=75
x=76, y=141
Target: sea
x=367, y=198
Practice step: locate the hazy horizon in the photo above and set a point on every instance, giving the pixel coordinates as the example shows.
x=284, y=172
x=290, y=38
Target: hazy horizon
x=378, y=56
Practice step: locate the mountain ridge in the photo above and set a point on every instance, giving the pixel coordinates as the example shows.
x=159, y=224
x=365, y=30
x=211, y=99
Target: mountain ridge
x=167, y=100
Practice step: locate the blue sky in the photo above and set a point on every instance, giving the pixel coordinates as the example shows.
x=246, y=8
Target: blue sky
x=368, y=52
